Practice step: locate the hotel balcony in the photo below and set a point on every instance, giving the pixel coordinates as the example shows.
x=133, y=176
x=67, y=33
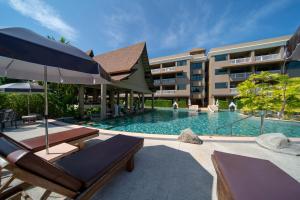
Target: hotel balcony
x=167, y=70
x=239, y=76
x=255, y=59
x=271, y=71
x=240, y=60
x=197, y=71
x=155, y=71
x=268, y=57
x=171, y=93
x=198, y=83
x=168, y=81
x=156, y=82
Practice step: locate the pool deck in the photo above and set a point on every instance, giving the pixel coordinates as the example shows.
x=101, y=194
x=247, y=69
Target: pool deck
x=166, y=168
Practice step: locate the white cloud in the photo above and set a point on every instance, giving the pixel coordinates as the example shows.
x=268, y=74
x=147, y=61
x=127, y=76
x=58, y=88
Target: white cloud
x=45, y=15
x=121, y=25
x=228, y=27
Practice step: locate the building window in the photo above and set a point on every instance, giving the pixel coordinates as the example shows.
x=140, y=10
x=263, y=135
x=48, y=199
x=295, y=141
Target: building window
x=221, y=85
x=181, y=63
x=179, y=75
x=181, y=87
x=220, y=71
x=196, y=89
x=197, y=77
x=197, y=65
x=221, y=57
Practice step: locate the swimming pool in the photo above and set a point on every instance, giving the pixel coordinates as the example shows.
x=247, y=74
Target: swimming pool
x=165, y=121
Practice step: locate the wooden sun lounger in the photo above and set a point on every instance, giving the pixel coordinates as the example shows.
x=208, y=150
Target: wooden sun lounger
x=77, y=176
x=246, y=178
x=75, y=136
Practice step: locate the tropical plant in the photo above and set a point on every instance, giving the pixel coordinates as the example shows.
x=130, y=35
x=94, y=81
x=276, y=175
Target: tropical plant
x=269, y=91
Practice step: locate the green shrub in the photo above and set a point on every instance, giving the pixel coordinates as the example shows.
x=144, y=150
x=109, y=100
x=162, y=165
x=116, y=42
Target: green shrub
x=165, y=103
x=223, y=104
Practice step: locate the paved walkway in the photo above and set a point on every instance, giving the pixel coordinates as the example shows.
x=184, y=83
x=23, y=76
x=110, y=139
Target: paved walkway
x=167, y=169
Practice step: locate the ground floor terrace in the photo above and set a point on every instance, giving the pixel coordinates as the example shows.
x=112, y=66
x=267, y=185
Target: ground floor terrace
x=166, y=168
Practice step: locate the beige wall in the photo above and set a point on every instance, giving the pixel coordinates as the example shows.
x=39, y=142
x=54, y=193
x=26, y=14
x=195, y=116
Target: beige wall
x=226, y=78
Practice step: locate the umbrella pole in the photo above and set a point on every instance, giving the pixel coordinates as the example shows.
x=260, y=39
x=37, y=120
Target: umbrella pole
x=46, y=109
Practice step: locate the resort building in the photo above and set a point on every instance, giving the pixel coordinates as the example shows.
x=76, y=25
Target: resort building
x=181, y=76
x=230, y=65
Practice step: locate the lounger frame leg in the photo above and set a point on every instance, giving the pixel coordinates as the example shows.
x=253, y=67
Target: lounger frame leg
x=6, y=184
x=46, y=195
x=130, y=164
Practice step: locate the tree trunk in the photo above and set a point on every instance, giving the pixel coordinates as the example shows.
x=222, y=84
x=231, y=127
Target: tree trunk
x=281, y=114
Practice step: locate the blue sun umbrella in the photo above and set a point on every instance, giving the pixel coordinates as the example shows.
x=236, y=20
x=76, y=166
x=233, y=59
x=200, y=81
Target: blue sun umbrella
x=27, y=55
x=24, y=88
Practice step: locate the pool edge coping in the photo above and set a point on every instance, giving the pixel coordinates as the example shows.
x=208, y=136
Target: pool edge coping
x=212, y=138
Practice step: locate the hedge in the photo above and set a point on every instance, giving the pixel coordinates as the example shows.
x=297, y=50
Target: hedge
x=165, y=103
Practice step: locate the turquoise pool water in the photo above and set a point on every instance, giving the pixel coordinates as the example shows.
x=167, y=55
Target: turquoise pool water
x=172, y=122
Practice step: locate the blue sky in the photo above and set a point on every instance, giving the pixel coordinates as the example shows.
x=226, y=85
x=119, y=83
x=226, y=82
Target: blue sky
x=168, y=26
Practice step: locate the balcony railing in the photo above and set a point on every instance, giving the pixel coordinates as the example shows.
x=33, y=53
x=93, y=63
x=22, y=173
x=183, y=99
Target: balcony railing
x=267, y=57
x=271, y=71
x=240, y=76
x=161, y=70
x=155, y=71
x=168, y=81
x=156, y=82
x=168, y=69
x=233, y=91
x=165, y=92
x=168, y=91
x=240, y=60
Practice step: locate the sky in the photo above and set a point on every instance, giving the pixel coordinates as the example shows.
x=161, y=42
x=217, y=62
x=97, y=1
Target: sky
x=167, y=26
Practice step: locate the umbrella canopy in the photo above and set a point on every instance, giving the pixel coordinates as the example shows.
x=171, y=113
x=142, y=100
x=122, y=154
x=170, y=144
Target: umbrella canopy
x=23, y=55
x=27, y=55
x=293, y=47
x=22, y=88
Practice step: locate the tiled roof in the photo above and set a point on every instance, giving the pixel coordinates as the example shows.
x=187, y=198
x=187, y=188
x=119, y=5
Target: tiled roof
x=120, y=60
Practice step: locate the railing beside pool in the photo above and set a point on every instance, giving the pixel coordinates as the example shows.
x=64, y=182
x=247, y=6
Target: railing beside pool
x=234, y=122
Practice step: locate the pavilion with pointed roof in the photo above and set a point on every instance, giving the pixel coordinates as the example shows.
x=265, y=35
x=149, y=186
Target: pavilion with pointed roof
x=130, y=74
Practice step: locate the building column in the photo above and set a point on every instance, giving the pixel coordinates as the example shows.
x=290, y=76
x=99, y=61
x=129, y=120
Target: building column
x=143, y=101
x=131, y=100
x=103, y=101
x=81, y=100
x=152, y=103
x=252, y=55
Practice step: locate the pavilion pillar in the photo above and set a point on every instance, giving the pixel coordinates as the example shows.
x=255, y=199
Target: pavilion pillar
x=118, y=98
x=126, y=100
x=152, y=103
x=139, y=101
x=131, y=100
x=111, y=99
x=103, y=101
x=143, y=101
x=81, y=100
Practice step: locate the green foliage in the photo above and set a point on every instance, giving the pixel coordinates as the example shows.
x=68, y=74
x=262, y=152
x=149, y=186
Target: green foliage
x=19, y=102
x=269, y=91
x=165, y=103
x=223, y=104
x=182, y=103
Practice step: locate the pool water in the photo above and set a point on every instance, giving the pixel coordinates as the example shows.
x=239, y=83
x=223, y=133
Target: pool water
x=171, y=122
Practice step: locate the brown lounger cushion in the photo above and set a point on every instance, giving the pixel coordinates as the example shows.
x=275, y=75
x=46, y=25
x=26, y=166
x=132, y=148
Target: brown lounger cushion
x=38, y=143
x=251, y=178
x=91, y=163
x=25, y=159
